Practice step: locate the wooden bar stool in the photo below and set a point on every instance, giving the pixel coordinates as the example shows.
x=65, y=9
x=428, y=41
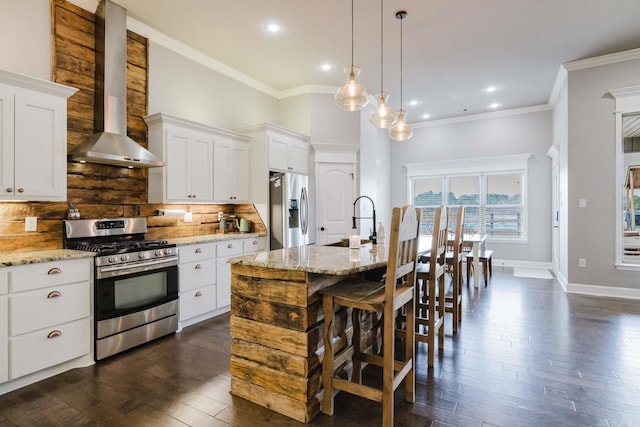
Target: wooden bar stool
x=428, y=275
x=395, y=294
x=455, y=256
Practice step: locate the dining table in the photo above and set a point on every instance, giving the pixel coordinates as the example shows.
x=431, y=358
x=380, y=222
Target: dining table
x=477, y=241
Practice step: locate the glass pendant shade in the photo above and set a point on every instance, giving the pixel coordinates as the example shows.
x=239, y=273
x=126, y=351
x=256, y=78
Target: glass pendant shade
x=352, y=96
x=401, y=130
x=383, y=116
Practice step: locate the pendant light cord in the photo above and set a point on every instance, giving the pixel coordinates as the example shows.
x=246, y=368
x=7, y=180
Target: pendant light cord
x=352, y=33
x=381, y=46
x=401, y=19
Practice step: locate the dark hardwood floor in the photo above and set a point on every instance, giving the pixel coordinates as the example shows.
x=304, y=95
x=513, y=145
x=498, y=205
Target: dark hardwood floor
x=527, y=354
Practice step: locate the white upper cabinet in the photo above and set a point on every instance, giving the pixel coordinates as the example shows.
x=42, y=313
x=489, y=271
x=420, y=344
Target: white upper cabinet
x=33, y=138
x=231, y=170
x=288, y=153
x=200, y=162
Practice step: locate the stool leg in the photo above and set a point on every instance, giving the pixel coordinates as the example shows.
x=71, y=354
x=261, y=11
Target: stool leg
x=327, y=360
x=468, y=272
x=357, y=366
x=485, y=271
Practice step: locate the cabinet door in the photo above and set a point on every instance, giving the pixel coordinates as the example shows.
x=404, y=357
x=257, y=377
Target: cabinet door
x=6, y=142
x=278, y=153
x=299, y=156
x=40, y=147
x=177, y=167
x=201, y=170
x=223, y=168
x=242, y=171
x=4, y=350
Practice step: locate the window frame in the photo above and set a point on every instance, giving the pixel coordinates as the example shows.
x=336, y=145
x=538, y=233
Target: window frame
x=481, y=167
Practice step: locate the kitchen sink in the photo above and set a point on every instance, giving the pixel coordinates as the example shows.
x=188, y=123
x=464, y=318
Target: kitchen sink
x=344, y=243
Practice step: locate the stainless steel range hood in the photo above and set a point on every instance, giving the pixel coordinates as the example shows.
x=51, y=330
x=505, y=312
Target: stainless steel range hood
x=111, y=145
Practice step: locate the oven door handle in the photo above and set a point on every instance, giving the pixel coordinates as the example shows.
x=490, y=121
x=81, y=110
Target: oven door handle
x=120, y=270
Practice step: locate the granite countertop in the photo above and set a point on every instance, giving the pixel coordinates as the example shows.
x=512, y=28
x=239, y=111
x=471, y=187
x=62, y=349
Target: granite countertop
x=319, y=259
x=207, y=238
x=34, y=257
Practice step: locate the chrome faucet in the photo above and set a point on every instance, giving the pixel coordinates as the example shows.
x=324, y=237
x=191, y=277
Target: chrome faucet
x=373, y=237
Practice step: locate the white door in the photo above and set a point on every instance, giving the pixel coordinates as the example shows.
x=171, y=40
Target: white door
x=555, y=209
x=336, y=186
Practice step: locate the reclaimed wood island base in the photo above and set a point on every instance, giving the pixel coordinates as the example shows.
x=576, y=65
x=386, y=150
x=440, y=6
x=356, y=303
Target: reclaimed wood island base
x=277, y=320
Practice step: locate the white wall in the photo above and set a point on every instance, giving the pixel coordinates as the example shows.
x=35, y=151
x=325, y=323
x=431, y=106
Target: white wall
x=187, y=89
x=591, y=174
x=25, y=37
x=294, y=113
x=514, y=134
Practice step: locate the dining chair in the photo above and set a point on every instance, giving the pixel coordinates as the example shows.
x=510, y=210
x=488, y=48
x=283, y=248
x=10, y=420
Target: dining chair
x=395, y=294
x=429, y=311
x=454, y=257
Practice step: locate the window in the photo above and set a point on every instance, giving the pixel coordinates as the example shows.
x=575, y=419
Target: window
x=492, y=190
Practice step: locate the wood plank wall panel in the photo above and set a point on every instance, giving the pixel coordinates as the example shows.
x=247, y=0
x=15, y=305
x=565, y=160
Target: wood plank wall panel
x=100, y=190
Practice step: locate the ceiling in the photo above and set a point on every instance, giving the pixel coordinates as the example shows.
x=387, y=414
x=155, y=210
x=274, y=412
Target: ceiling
x=453, y=50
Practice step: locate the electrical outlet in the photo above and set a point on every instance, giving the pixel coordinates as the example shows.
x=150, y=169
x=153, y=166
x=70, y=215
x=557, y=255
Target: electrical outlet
x=31, y=223
x=188, y=217
x=582, y=262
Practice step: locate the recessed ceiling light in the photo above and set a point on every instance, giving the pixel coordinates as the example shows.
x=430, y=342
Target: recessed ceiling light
x=325, y=67
x=413, y=102
x=273, y=28
x=494, y=105
x=426, y=116
x=490, y=89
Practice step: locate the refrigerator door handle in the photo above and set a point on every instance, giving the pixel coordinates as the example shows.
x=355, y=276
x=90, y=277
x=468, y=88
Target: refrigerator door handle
x=304, y=210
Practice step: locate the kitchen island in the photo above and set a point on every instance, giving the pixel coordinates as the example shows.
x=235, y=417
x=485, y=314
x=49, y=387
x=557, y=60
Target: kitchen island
x=277, y=320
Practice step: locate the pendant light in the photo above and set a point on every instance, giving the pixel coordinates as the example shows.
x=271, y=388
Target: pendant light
x=352, y=96
x=383, y=116
x=401, y=130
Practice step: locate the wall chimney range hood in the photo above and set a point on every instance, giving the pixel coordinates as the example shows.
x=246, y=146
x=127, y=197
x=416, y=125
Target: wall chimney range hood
x=111, y=145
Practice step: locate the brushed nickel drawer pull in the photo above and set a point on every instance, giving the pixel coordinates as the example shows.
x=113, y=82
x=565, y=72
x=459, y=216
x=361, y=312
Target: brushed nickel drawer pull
x=198, y=267
x=20, y=190
x=9, y=190
x=198, y=294
x=54, y=333
x=198, y=250
x=54, y=294
x=54, y=270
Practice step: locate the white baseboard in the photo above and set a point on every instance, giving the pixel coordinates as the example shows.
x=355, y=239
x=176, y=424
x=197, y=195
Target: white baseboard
x=603, y=291
x=521, y=264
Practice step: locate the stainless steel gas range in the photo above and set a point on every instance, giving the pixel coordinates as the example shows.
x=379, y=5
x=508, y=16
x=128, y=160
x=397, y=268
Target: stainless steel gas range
x=136, y=281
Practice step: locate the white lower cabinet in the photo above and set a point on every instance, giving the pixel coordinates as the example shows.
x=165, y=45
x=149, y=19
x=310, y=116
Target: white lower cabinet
x=4, y=328
x=226, y=250
x=197, y=276
x=45, y=316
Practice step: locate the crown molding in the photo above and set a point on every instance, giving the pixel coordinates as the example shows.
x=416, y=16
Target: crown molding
x=482, y=116
x=306, y=90
x=597, y=61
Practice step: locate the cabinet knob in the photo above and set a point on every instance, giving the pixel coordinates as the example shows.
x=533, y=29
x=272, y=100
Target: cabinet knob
x=255, y=242
x=54, y=333
x=230, y=245
x=198, y=267
x=198, y=250
x=9, y=190
x=54, y=270
x=54, y=294
x=198, y=294
x=20, y=190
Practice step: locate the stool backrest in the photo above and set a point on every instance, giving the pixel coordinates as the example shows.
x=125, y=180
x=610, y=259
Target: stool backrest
x=403, y=249
x=458, y=239
x=439, y=237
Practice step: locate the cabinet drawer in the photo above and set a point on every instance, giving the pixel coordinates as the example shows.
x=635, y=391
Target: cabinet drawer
x=4, y=362
x=197, y=301
x=42, y=308
x=48, y=347
x=232, y=247
x=255, y=244
x=192, y=253
x=36, y=276
x=197, y=274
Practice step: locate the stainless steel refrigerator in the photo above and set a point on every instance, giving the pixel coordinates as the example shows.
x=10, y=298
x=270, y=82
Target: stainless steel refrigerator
x=289, y=213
